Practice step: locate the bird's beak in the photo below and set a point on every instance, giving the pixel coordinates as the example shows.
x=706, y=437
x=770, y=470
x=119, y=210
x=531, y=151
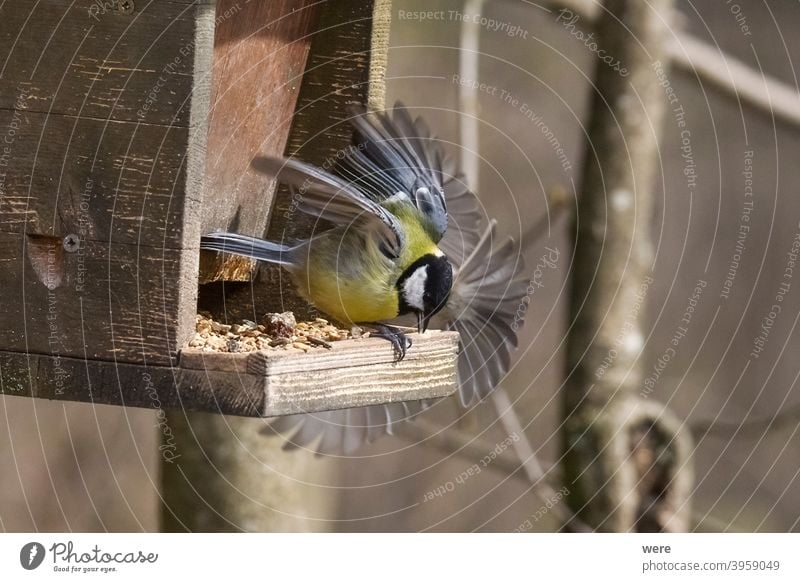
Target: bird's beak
x=422, y=322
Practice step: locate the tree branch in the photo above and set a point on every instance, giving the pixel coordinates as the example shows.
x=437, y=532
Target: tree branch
x=711, y=65
x=751, y=427
x=626, y=460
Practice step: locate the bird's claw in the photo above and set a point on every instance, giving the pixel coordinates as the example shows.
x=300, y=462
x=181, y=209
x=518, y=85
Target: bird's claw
x=399, y=340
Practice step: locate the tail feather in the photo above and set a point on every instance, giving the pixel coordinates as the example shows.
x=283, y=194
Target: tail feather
x=248, y=246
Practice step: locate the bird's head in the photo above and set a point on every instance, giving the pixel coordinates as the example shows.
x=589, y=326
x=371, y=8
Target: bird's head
x=424, y=287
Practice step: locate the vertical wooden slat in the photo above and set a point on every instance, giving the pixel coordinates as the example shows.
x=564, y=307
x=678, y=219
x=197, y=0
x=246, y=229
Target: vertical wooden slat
x=104, y=127
x=260, y=50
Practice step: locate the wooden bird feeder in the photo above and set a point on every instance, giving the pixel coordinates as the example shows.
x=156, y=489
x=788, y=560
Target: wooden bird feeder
x=127, y=128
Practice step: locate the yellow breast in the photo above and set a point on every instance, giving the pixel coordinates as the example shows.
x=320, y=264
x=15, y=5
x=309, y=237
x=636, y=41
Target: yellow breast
x=355, y=283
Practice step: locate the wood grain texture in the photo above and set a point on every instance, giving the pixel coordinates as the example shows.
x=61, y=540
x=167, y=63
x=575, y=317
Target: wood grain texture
x=142, y=386
x=356, y=352
x=117, y=302
x=78, y=59
x=102, y=181
x=103, y=323
x=337, y=77
x=259, y=57
x=226, y=478
x=379, y=53
x=75, y=379
x=355, y=373
x=126, y=194
x=360, y=374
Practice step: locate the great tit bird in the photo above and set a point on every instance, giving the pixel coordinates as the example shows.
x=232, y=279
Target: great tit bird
x=408, y=237
x=385, y=199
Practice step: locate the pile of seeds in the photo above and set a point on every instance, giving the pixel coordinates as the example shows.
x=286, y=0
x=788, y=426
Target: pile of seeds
x=276, y=331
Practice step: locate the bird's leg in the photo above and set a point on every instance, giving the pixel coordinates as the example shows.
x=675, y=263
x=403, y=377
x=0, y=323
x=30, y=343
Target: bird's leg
x=399, y=340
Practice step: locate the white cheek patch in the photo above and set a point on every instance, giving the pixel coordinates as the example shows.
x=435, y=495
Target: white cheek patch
x=414, y=288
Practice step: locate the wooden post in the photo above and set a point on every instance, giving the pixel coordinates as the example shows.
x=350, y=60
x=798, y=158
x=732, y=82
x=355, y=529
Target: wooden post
x=260, y=51
x=626, y=459
x=218, y=473
x=227, y=476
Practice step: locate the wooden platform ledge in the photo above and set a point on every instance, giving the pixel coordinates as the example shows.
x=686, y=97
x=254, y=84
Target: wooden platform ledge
x=352, y=373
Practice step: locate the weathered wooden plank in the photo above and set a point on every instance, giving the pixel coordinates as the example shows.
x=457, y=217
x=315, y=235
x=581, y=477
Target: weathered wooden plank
x=352, y=373
x=221, y=392
x=75, y=379
x=131, y=61
x=102, y=181
x=357, y=352
x=259, y=57
x=124, y=196
x=362, y=374
x=196, y=359
x=18, y=373
x=117, y=302
x=142, y=386
x=303, y=385
x=337, y=76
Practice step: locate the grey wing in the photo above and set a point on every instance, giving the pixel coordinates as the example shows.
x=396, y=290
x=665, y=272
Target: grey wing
x=326, y=196
x=488, y=289
x=465, y=220
x=395, y=154
x=337, y=432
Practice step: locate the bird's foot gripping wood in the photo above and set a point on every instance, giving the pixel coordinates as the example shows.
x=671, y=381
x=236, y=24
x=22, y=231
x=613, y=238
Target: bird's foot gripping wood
x=399, y=340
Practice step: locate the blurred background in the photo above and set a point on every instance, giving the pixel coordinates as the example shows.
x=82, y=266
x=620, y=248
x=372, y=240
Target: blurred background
x=79, y=467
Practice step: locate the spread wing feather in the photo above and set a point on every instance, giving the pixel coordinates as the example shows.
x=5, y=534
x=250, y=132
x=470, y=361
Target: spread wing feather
x=329, y=197
x=464, y=217
x=337, y=432
x=396, y=155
